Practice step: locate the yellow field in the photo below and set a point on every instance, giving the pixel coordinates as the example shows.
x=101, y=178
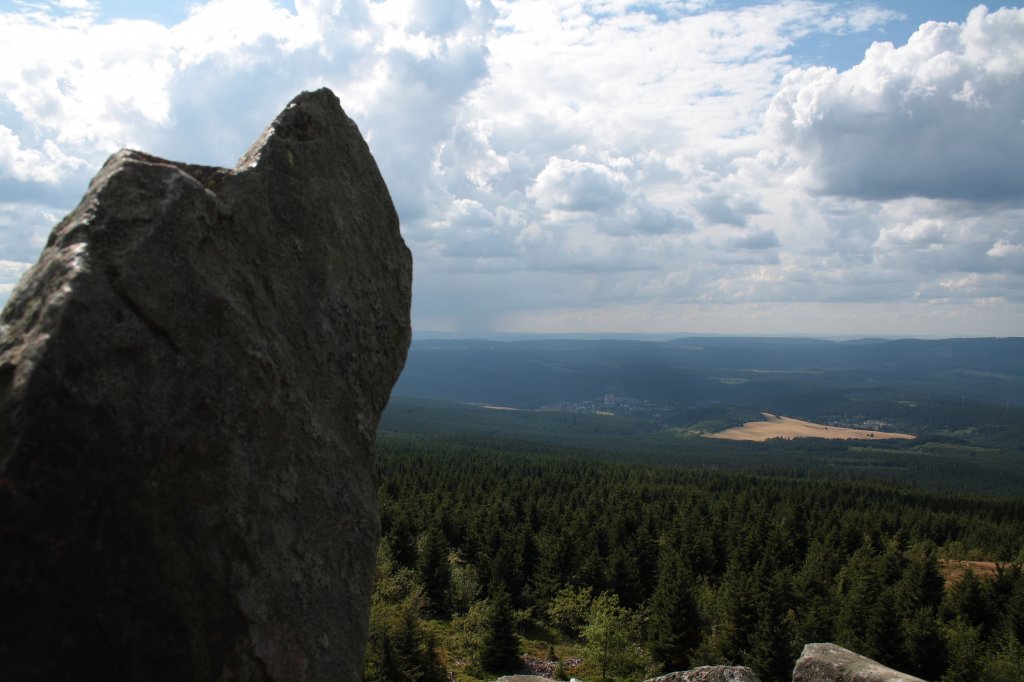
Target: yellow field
x=784, y=427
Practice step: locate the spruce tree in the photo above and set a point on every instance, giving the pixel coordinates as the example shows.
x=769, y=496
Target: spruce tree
x=917, y=597
x=434, y=570
x=499, y=646
x=674, y=624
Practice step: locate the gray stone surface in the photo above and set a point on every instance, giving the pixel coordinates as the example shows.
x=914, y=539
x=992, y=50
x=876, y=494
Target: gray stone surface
x=190, y=383
x=711, y=673
x=824, y=662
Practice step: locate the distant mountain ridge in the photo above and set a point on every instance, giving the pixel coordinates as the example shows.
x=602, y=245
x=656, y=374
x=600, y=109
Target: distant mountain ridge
x=769, y=373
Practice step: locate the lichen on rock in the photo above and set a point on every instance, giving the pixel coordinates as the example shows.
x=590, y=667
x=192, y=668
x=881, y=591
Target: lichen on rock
x=825, y=662
x=711, y=673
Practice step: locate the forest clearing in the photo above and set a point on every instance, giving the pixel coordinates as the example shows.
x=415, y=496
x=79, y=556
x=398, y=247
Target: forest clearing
x=953, y=569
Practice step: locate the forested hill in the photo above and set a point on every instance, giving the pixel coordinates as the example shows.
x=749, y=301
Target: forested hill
x=729, y=370
x=968, y=389
x=962, y=398
x=930, y=462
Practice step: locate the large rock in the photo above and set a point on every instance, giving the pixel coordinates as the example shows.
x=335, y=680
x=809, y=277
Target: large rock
x=711, y=673
x=190, y=382
x=830, y=663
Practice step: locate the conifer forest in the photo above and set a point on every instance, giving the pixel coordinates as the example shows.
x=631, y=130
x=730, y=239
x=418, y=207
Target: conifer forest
x=617, y=570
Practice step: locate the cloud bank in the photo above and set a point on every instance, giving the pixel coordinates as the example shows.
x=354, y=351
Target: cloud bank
x=939, y=117
x=594, y=166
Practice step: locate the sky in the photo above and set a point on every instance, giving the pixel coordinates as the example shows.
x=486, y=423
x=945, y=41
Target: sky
x=583, y=166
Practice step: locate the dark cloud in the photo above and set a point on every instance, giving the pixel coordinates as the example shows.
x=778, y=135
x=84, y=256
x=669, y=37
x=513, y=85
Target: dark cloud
x=754, y=241
x=720, y=209
x=641, y=217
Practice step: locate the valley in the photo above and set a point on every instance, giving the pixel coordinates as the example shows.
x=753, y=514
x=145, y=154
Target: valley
x=712, y=500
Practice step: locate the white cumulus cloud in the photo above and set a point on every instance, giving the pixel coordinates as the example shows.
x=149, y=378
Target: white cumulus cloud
x=1006, y=249
x=588, y=162
x=939, y=117
x=568, y=185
